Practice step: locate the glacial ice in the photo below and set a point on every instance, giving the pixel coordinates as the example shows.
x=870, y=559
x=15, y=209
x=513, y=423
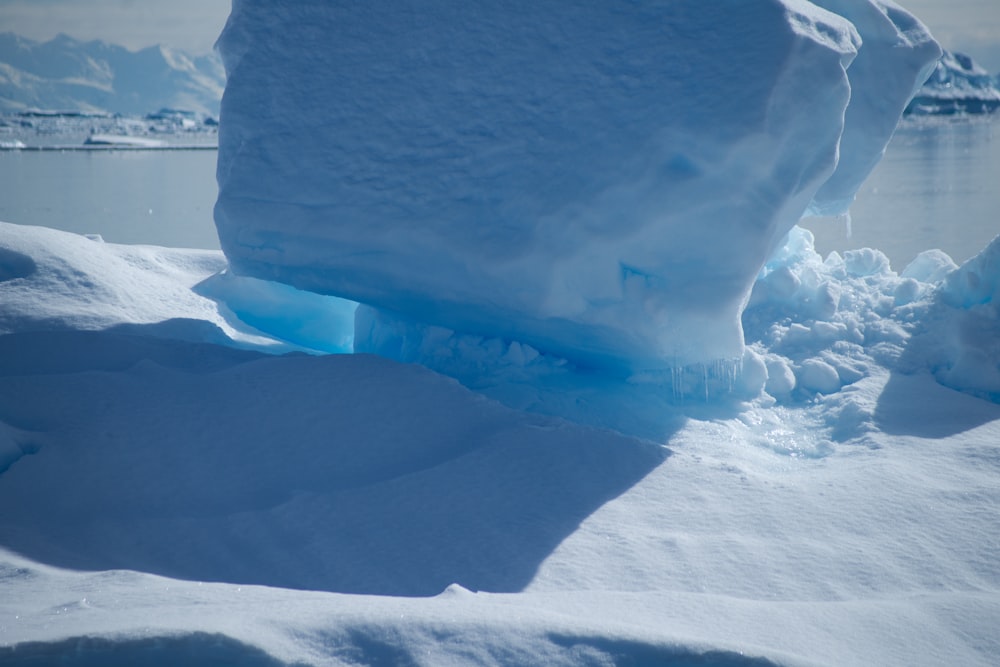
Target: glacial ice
x=590, y=183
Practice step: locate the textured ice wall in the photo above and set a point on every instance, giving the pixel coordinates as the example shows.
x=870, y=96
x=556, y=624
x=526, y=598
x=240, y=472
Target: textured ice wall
x=598, y=181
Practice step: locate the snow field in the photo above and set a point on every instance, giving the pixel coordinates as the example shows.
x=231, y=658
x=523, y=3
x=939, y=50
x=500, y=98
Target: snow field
x=766, y=531
x=602, y=402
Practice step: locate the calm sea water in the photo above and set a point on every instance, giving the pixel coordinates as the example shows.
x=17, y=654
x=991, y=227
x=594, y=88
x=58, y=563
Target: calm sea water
x=938, y=187
x=151, y=197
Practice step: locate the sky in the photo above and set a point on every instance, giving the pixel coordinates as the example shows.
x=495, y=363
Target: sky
x=191, y=25
x=969, y=26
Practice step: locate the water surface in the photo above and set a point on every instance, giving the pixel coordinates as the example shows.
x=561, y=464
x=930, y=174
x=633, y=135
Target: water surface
x=127, y=196
x=937, y=187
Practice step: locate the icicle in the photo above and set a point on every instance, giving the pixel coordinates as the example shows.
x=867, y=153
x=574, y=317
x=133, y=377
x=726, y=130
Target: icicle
x=677, y=381
x=846, y=217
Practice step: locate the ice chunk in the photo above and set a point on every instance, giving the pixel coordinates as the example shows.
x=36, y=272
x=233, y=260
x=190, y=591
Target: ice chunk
x=930, y=266
x=896, y=56
x=866, y=262
x=601, y=183
x=123, y=141
x=819, y=376
x=780, y=378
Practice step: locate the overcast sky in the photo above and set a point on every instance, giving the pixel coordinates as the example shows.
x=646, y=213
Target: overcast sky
x=191, y=25
x=970, y=26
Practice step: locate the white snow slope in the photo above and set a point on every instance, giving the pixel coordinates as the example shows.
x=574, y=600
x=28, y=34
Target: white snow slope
x=351, y=509
x=188, y=477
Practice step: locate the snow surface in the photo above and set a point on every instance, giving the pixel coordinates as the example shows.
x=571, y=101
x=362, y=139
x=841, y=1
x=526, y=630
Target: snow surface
x=188, y=477
x=355, y=509
x=586, y=182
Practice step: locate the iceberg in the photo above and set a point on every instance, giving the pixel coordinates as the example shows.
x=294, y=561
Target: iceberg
x=600, y=184
x=122, y=141
x=896, y=57
x=957, y=85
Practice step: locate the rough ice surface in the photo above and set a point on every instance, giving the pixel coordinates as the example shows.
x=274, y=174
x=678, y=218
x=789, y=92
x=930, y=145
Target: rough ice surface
x=586, y=182
x=814, y=327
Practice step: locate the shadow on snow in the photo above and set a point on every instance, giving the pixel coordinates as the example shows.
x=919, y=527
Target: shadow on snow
x=349, y=473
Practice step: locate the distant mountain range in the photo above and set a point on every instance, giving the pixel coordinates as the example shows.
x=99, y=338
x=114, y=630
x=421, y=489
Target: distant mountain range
x=67, y=74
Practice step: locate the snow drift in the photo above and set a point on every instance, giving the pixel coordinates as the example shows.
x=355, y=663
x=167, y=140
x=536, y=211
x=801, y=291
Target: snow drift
x=434, y=526
x=600, y=184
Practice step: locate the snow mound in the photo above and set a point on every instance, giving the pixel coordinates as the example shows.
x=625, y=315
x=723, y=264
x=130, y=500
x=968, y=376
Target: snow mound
x=573, y=180
x=961, y=338
x=53, y=280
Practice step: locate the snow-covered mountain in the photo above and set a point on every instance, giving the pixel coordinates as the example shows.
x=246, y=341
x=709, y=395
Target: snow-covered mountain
x=68, y=74
x=957, y=85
